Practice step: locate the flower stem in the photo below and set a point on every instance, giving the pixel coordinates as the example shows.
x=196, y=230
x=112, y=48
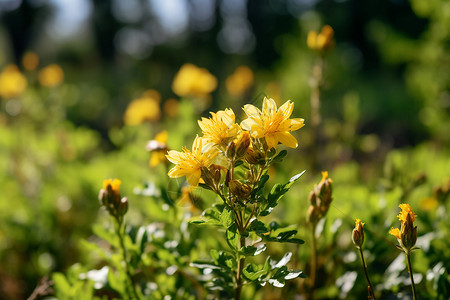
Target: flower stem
x=313, y=261
x=241, y=262
x=408, y=257
x=131, y=290
x=365, y=272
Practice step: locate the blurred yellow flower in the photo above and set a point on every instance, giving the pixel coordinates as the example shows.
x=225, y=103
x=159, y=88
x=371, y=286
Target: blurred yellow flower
x=30, y=61
x=271, y=123
x=158, y=148
x=12, y=82
x=152, y=94
x=190, y=163
x=193, y=81
x=171, y=107
x=429, y=203
x=114, y=183
x=220, y=128
x=189, y=199
x=322, y=41
x=51, y=76
x=142, y=109
x=238, y=82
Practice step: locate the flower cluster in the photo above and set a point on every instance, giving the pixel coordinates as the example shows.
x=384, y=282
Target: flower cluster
x=322, y=41
x=407, y=234
x=224, y=143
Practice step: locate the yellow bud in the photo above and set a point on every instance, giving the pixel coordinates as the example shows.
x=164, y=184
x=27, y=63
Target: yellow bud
x=242, y=144
x=358, y=233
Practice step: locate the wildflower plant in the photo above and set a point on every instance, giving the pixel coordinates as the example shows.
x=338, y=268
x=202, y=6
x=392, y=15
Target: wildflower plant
x=406, y=237
x=232, y=160
x=358, y=241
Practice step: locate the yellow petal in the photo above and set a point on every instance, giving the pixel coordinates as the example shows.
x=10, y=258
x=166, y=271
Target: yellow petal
x=286, y=139
x=271, y=141
x=175, y=172
x=269, y=106
x=247, y=124
x=194, y=177
x=286, y=109
x=252, y=111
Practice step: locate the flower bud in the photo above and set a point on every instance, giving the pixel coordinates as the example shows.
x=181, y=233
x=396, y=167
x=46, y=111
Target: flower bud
x=109, y=197
x=321, y=196
x=358, y=234
x=408, y=233
x=242, y=144
x=231, y=150
x=254, y=156
x=239, y=189
x=313, y=214
x=208, y=177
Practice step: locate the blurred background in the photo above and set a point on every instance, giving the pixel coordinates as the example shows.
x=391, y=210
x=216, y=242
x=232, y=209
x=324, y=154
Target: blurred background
x=85, y=84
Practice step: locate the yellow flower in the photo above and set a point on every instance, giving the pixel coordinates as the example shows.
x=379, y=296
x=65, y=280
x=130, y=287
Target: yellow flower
x=190, y=163
x=158, y=148
x=322, y=41
x=220, y=128
x=407, y=234
x=238, y=82
x=429, y=203
x=114, y=183
x=193, y=81
x=406, y=209
x=395, y=232
x=171, y=107
x=30, y=61
x=12, y=82
x=142, y=109
x=51, y=76
x=271, y=123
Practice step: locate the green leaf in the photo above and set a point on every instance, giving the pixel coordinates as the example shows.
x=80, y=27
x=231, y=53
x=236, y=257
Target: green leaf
x=258, y=227
x=283, y=261
x=62, y=286
x=249, y=250
x=117, y=283
x=280, y=156
x=107, y=235
x=226, y=218
x=232, y=237
x=252, y=272
x=198, y=220
x=263, y=180
x=277, y=193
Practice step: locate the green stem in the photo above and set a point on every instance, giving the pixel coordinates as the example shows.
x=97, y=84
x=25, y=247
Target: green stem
x=408, y=257
x=313, y=261
x=365, y=271
x=130, y=285
x=241, y=262
x=316, y=84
